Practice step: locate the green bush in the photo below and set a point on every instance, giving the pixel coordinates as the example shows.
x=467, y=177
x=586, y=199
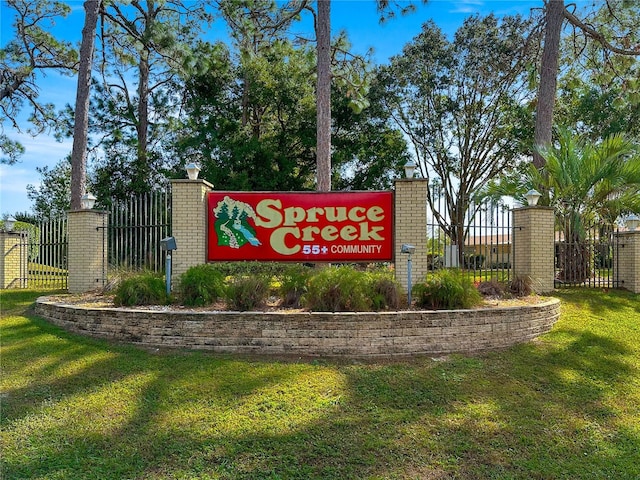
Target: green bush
x=201, y=285
x=384, y=290
x=142, y=289
x=337, y=289
x=239, y=269
x=447, y=289
x=293, y=284
x=248, y=292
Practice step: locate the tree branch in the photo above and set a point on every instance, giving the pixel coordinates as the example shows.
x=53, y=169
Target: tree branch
x=592, y=33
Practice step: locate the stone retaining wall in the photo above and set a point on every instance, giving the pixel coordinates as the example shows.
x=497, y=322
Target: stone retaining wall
x=322, y=334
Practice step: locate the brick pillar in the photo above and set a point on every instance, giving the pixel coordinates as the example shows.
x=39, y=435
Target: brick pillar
x=189, y=224
x=626, y=260
x=87, y=254
x=533, y=244
x=411, y=227
x=14, y=260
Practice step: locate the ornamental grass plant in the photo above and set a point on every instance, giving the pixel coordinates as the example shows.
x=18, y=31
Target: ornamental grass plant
x=446, y=289
x=146, y=288
x=201, y=285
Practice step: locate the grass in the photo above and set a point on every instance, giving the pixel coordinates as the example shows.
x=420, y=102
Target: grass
x=564, y=406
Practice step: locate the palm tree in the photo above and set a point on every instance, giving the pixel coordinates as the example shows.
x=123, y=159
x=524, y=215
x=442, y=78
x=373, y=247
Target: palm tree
x=587, y=184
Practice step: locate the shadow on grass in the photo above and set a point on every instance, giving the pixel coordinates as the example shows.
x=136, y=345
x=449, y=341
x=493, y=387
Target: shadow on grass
x=600, y=301
x=555, y=408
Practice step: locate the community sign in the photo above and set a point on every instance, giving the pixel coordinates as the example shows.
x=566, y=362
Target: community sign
x=300, y=226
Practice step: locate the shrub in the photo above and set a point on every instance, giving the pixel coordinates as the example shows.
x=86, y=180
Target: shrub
x=385, y=291
x=491, y=288
x=447, y=289
x=293, y=284
x=142, y=289
x=521, y=286
x=115, y=277
x=239, y=269
x=201, y=285
x=337, y=289
x=248, y=292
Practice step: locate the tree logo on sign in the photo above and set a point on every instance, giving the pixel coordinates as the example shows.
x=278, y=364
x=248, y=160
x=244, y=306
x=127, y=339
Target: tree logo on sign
x=232, y=223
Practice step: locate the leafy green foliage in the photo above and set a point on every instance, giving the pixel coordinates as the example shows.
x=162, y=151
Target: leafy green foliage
x=385, y=290
x=464, y=106
x=336, y=289
x=250, y=125
x=585, y=182
x=142, y=289
x=233, y=269
x=32, y=50
x=151, y=43
x=248, y=292
x=293, y=284
x=346, y=289
x=53, y=196
x=447, y=289
x=201, y=285
x=599, y=90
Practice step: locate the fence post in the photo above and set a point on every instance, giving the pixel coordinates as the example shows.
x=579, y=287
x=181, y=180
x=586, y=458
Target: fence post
x=626, y=260
x=411, y=227
x=87, y=260
x=189, y=223
x=534, y=246
x=14, y=260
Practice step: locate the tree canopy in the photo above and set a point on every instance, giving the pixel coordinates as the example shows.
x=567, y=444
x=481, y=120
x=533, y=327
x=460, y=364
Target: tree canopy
x=32, y=52
x=463, y=106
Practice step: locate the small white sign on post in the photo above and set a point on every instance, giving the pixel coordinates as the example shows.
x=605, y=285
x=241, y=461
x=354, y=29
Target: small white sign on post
x=451, y=256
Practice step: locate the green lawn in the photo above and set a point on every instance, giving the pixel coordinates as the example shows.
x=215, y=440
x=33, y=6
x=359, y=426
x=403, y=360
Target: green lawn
x=566, y=406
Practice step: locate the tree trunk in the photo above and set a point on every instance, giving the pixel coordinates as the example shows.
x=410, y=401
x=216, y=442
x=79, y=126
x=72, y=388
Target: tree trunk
x=323, y=97
x=142, y=127
x=554, y=17
x=83, y=93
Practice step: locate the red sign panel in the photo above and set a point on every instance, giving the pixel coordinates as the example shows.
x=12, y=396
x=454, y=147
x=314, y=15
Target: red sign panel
x=307, y=227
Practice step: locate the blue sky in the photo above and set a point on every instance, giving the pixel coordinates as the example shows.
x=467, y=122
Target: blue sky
x=358, y=17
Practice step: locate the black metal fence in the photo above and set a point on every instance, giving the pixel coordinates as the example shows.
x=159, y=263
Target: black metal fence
x=586, y=254
x=46, y=255
x=136, y=226
x=482, y=246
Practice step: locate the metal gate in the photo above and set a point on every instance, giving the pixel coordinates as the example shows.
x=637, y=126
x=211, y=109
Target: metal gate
x=136, y=226
x=586, y=255
x=484, y=248
x=46, y=255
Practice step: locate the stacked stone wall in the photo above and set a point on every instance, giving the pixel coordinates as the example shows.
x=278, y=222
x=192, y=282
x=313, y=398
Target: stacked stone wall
x=314, y=334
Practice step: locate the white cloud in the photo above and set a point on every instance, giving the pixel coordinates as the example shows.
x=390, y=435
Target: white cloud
x=467, y=6
x=13, y=191
x=40, y=151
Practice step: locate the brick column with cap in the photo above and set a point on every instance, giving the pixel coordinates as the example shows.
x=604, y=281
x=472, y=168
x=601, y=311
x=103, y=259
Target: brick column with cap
x=533, y=244
x=87, y=254
x=14, y=260
x=189, y=224
x=411, y=228
x=626, y=263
